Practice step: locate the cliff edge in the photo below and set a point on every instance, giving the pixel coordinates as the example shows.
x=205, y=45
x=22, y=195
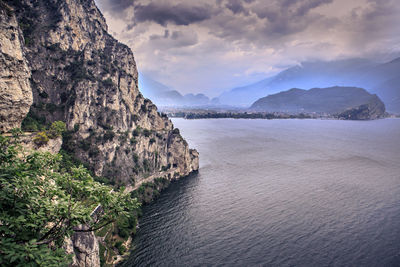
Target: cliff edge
x=15, y=89
x=83, y=76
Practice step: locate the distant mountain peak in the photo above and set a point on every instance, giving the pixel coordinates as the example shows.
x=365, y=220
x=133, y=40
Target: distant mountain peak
x=395, y=61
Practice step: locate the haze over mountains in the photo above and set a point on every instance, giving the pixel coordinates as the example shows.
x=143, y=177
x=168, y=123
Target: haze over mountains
x=381, y=79
x=376, y=78
x=162, y=95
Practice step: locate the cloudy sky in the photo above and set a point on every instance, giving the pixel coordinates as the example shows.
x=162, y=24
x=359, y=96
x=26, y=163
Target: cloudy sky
x=210, y=46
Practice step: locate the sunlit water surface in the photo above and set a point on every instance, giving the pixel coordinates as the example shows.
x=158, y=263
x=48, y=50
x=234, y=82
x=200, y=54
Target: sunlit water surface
x=280, y=193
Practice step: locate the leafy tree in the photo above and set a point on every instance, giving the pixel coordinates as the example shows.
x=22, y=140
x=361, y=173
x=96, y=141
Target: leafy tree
x=41, y=204
x=56, y=129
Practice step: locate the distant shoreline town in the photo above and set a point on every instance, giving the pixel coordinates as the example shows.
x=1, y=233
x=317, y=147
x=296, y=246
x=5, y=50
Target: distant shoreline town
x=194, y=114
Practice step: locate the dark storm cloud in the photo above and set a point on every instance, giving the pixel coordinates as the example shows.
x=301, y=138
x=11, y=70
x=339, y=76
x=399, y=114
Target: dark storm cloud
x=236, y=6
x=179, y=14
x=375, y=21
x=116, y=6
x=288, y=9
x=305, y=6
x=174, y=39
x=265, y=22
x=283, y=16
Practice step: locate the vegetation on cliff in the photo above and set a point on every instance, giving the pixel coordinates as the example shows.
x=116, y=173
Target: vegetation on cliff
x=43, y=203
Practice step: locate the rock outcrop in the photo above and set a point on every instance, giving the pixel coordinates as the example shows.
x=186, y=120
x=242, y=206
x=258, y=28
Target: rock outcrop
x=84, y=248
x=52, y=146
x=374, y=109
x=15, y=89
x=83, y=76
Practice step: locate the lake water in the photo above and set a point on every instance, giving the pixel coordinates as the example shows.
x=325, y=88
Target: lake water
x=280, y=193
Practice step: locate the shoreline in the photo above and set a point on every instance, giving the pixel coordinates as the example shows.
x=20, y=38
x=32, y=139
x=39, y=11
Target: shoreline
x=147, y=192
x=279, y=118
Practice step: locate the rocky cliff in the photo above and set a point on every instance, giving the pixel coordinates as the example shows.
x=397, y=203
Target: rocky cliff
x=59, y=63
x=83, y=76
x=15, y=89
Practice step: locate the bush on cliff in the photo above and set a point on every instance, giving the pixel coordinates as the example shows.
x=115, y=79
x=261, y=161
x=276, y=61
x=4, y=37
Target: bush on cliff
x=42, y=204
x=56, y=129
x=41, y=139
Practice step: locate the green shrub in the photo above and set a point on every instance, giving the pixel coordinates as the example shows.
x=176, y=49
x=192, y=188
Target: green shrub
x=56, y=129
x=43, y=94
x=135, y=158
x=137, y=131
x=102, y=250
x=76, y=127
x=135, y=118
x=108, y=82
x=133, y=141
x=118, y=245
x=33, y=122
x=16, y=132
x=108, y=135
x=103, y=180
x=123, y=137
x=164, y=168
x=85, y=144
x=77, y=70
x=146, y=132
x=94, y=152
x=50, y=107
x=146, y=165
x=41, y=139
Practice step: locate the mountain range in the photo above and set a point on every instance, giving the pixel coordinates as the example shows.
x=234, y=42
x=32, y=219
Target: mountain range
x=381, y=79
x=162, y=95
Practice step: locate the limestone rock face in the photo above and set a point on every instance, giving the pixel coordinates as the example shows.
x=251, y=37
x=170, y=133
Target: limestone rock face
x=53, y=145
x=15, y=89
x=83, y=76
x=84, y=247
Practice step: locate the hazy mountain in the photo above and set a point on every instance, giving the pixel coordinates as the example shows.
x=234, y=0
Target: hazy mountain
x=199, y=99
x=381, y=79
x=333, y=100
x=387, y=84
x=162, y=95
x=159, y=93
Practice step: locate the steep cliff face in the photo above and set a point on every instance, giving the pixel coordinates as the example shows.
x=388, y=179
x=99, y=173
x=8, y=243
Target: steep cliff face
x=15, y=90
x=84, y=248
x=83, y=76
